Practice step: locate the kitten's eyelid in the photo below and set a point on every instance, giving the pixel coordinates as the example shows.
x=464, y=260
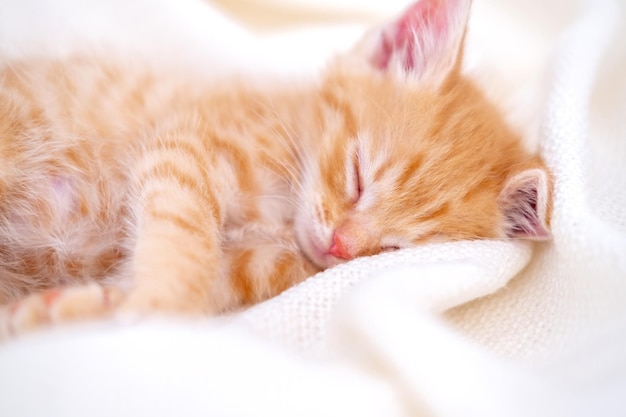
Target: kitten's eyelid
x=357, y=182
x=357, y=176
x=389, y=244
x=390, y=248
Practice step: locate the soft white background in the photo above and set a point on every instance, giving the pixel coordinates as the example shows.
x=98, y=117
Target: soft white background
x=464, y=329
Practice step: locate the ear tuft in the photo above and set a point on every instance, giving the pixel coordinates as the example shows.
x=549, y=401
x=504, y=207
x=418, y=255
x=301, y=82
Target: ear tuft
x=425, y=41
x=524, y=203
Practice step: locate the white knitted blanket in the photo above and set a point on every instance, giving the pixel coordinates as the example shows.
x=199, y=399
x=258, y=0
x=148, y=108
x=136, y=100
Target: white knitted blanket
x=460, y=329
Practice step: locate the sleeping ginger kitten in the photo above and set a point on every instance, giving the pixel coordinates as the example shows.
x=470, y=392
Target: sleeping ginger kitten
x=126, y=189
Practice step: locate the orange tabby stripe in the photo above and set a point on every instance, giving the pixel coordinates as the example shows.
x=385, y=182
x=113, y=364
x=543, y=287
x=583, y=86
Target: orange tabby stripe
x=410, y=170
x=153, y=199
x=240, y=159
x=166, y=170
x=241, y=278
x=185, y=147
x=343, y=108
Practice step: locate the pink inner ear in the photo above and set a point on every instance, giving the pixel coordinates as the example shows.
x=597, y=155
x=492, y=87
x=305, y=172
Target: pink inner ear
x=523, y=219
x=426, y=18
x=524, y=207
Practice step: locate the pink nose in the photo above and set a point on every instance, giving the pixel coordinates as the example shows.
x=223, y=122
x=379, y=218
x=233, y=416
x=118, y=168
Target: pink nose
x=337, y=248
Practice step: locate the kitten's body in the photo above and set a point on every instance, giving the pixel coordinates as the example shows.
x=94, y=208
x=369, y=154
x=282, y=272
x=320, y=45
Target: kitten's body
x=183, y=195
x=98, y=135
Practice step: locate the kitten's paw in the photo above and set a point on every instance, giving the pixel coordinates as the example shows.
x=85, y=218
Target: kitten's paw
x=57, y=306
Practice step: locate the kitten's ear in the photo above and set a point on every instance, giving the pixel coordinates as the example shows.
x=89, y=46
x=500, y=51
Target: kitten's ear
x=425, y=42
x=524, y=202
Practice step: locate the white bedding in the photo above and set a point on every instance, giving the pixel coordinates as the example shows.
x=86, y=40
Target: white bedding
x=463, y=329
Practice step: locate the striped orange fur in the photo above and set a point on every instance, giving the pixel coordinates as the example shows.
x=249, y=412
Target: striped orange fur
x=188, y=195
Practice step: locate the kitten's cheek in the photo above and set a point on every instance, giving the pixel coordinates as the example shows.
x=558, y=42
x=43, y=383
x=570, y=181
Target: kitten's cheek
x=312, y=249
x=314, y=252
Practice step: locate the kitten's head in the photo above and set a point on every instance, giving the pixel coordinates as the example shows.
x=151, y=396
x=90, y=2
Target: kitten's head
x=407, y=150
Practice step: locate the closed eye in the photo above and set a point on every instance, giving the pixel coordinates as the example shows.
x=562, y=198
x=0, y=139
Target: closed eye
x=390, y=248
x=358, y=182
x=393, y=243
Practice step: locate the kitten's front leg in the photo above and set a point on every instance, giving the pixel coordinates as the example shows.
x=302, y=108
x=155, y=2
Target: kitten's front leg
x=177, y=203
x=174, y=262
